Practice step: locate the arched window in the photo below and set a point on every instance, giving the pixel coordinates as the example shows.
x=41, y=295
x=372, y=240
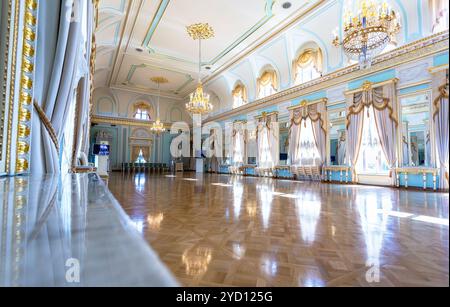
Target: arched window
x=239, y=96
x=308, y=65
x=267, y=84
x=439, y=15
x=142, y=111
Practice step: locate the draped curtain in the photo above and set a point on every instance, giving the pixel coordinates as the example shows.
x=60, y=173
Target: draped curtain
x=316, y=113
x=239, y=143
x=439, y=14
x=135, y=153
x=146, y=153
x=355, y=123
x=382, y=99
x=269, y=77
x=58, y=55
x=267, y=133
x=214, y=146
x=239, y=95
x=441, y=125
x=306, y=58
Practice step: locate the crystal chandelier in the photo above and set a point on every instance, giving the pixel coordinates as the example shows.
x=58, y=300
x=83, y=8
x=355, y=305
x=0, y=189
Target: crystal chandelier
x=158, y=127
x=367, y=31
x=199, y=101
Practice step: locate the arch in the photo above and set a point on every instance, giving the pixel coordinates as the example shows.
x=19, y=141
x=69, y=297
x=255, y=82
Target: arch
x=308, y=63
x=175, y=115
x=105, y=106
x=239, y=94
x=143, y=100
x=267, y=82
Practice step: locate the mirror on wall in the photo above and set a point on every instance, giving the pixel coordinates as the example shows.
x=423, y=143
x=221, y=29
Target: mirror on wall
x=416, y=140
x=284, y=141
x=338, y=137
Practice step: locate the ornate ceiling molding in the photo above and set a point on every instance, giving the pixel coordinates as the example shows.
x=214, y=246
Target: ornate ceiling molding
x=110, y=120
x=408, y=53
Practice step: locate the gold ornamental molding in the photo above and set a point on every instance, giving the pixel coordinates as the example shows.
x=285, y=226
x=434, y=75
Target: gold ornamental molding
x=304, y=103
x=4, y=105
x=435, y=69
x=266, y=114
x=97, y=119
x=12, y=88
x=367, y=85
x=26, y=86
x=407, y=53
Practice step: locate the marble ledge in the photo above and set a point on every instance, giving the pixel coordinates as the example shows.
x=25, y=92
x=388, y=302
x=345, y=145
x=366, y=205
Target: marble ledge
x=70, y=231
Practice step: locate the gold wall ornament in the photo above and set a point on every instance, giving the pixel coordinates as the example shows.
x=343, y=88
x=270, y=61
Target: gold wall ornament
x=24, y=131
x=200, y=31
x=4, y=123
x=26, y=87
x=367, y=86
x=12, y=88
x=23, y=148
x=28, y=50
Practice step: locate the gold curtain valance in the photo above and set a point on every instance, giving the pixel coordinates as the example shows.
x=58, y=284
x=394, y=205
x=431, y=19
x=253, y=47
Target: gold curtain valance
x=307, y=57
x=268, y=77
x=300, y=114
x=442, y=93
x=371, y=95
x=240, y=91
x=240, y=127
x=266, y=120
x=141, y=106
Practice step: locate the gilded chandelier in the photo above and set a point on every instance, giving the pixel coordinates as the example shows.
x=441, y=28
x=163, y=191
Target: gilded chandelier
x=199, y=100
x=367, y=31
x=158, y=127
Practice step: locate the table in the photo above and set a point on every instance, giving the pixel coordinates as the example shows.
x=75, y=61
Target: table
x=328, y=171
x=416, y=170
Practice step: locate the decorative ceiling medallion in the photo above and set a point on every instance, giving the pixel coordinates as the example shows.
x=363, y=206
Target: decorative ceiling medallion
x=200, y=31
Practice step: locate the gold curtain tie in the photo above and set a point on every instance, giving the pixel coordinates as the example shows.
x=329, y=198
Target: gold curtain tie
x=47, y=124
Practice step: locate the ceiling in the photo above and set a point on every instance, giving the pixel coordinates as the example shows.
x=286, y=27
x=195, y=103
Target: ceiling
x=140, y=39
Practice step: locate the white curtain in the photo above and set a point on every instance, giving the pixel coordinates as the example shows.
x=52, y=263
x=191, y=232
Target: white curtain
x=294, y=137
x=385, y=112
x=307, y=135
x=239, y=145
x=267, y=134
x=317, y=115
x=355, y=123
x=382, y=100
x=57, y=58
x=441, y=125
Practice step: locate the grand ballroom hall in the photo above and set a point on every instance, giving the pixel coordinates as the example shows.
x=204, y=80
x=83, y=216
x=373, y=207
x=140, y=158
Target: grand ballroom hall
x=224, y=143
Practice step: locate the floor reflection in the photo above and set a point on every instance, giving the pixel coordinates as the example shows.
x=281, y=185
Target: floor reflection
x=372, y=223
x=308, y=208
x=265, y=198
x=51, y=223
x=265, y=232
x=196, y=260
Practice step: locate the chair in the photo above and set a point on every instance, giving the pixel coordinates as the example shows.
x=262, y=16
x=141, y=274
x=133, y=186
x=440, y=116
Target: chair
x=316, y=172
x=308, y=172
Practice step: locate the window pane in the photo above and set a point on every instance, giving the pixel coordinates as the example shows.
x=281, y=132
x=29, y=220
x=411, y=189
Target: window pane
x=371, y=158
x=307, y=150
